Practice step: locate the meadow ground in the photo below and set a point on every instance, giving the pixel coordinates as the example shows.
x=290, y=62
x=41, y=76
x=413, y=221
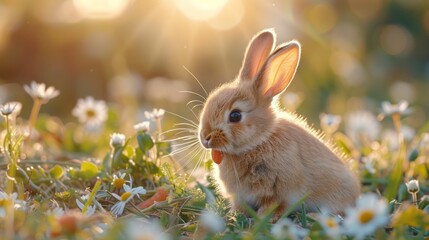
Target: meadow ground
x=82, y=180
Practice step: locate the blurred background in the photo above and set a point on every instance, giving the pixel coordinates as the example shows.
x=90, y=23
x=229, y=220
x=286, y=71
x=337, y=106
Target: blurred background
x=133, y=54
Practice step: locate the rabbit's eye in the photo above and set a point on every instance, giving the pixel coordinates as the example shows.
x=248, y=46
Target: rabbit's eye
x=235, y=116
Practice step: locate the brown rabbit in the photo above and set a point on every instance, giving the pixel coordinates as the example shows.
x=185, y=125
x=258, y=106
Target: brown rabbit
x=270, y=156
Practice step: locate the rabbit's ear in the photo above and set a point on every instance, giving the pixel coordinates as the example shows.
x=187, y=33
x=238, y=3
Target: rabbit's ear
x=279, y=69
x=257, y=53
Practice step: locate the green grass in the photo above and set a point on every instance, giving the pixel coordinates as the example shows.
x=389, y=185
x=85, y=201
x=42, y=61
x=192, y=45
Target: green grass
x=44, y=174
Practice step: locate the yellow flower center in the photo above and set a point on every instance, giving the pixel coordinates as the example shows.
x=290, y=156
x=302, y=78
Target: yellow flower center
x=125, y=196
x=366, y=216
x=2, y=202
x=118, y=183
x=330, y=222
x=90, y=113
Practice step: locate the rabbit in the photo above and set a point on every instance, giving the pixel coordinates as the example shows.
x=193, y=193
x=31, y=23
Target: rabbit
x=271, y=157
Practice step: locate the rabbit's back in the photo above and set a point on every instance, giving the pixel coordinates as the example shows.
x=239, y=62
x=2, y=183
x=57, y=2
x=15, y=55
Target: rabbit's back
x=292, y=162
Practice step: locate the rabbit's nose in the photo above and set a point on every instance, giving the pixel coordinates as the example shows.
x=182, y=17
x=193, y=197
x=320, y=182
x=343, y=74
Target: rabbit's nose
x=206, y=140
x=208, y=137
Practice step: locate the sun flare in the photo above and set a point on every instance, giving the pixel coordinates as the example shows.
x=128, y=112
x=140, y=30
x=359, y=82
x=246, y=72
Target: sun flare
x=200, y=9
x=101, y=9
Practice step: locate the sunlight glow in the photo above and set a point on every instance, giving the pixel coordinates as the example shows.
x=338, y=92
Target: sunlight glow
x=230, y=16
x=200, y=9
x=100, y=9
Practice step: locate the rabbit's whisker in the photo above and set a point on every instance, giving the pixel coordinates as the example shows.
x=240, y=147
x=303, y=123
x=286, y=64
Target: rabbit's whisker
x=193, y=127
x=179, y=131
x=200, y=160
x=197, y=105
x=185, y=143
x=195, y=150
x=184, y=138
x=182, y=132
x=196, y=79
x=192, y=144
x=184, y=118
x=194, y=101
x=194, y=93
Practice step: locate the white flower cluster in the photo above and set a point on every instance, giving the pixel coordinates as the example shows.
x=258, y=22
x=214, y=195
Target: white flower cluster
x=369, y=214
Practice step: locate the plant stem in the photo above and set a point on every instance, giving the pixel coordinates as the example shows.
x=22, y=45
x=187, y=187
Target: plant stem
x=91, y=196
x=159, y=129
x=11, y=170
x=10, y=173
x=34, y=113
x=414, y=194
x=396, y=117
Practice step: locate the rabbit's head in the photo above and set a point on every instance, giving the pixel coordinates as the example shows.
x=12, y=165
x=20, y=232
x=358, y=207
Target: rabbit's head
x=239, y=115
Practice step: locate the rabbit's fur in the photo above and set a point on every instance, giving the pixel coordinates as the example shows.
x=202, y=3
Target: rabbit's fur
x=270, y=156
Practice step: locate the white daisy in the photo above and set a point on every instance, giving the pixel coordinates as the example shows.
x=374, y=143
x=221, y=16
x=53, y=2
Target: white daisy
x=369, y=214
x=286, y=229
x=389, y=109
x=6, y=199
x=413, y=186
x=17, y=108
x=143, y=126
x=362, y=125
x=330, y=223
x=117, y=140
x=391, y=137
x=129, y=192
x=90, y=210
x=212, y=221
x=90, y=112
x=139, y=228
x=8, y=109
x=330, y=122
x=119, y=180
x=38, y=91
x=56, y=211
x=155, y=114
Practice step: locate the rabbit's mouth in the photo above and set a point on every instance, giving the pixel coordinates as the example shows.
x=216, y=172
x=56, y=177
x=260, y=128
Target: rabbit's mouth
x=217, y=156
x=213, y=140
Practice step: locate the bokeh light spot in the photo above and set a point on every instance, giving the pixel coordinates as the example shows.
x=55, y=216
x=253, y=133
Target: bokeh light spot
x=402, y=91
x=426, y=21
x=100, y=9
x=323, y=17
x=347, y=67
x=365, y=9
x=396, y=40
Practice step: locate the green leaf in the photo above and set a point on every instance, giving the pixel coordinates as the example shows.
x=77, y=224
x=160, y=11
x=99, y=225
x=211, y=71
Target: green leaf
x=208, y=165
x=210, y=198
x=411, y=216
x=119, y=159
x=145, y=141
x=344, y=143
x=106, y=163
x=152, y=168
x=164, y=148
x=413, y=155
x=89, y=170
x=56, y=172
x=395, y=179
x=128, y=151
x=164, y=219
